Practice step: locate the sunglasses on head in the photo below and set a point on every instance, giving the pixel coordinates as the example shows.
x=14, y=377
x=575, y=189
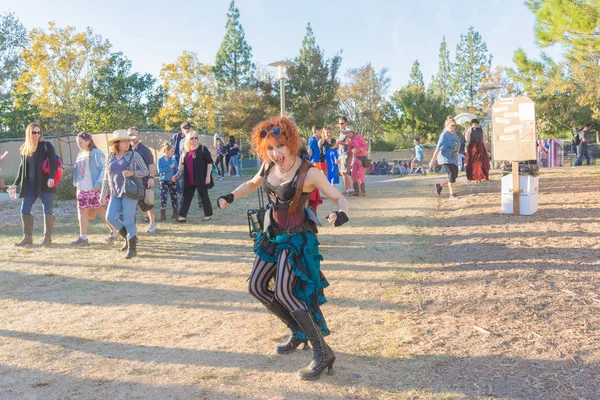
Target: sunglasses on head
x=276, y=131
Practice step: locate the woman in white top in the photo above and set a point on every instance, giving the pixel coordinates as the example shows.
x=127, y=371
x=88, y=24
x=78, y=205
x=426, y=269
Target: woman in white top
x=87, y=177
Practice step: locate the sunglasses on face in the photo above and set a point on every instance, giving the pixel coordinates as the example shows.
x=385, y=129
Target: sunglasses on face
x=36, y=132
x=194, y=138
x=276, y=131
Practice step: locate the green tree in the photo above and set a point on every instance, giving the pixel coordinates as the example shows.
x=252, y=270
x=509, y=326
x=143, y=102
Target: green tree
x=416, y=76
x=118, y=99
x=16, y=112
x=59, y=65
x=13, y=39
x=441, y=84
x=555, y=93
x=362, y=96
x=574, y=26
x=472, y=63
x=413, y=112
x=312, y=85
x=233, y=64
x=191, y=94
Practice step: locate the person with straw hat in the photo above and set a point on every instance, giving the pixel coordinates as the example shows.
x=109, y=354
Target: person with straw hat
x=121, y=163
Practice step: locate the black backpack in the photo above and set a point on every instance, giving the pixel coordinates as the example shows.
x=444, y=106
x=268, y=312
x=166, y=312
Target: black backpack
x=577, y=139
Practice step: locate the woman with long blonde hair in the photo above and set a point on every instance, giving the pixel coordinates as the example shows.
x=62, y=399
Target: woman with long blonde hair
x=195, y=166
x=35, y=183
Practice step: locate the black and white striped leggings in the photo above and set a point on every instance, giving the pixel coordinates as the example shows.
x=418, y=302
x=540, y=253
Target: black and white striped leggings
x=285, y=279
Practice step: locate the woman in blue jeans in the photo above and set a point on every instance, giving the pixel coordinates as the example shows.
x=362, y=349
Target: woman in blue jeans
x=233, y=149
x=121, y=163
x=35, y=183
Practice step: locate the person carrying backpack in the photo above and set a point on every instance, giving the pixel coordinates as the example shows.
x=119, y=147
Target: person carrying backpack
x=36, y=183
x=581, y=141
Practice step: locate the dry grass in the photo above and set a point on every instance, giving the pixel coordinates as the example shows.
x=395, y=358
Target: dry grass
x=429, y=299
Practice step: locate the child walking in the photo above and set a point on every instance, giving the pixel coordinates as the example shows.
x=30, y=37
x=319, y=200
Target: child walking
x=167, y=168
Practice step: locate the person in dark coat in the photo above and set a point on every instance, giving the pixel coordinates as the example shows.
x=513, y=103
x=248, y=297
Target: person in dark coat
x=36, y=183
x=195, y=166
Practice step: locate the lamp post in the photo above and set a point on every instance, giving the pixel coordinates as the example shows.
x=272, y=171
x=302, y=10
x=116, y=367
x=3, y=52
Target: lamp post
x=220, y=120
x=493, y=93
x=282, y=67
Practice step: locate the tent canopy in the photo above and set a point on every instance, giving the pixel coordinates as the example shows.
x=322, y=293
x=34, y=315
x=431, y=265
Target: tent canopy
x=464, y=117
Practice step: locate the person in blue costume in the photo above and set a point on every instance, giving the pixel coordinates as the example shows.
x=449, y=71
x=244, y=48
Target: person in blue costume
x=287, y=249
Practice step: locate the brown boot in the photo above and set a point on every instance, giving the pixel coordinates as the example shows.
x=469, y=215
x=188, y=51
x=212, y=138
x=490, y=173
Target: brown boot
x=163, y=214
x=48, y=228
x=362, y=189
x=174, y=216
x=27, y=239
x=356, y=189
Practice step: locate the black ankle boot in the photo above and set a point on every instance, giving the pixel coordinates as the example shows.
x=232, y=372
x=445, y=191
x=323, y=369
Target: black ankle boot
x=323, y=357
x=292, y=342
x=132, y=252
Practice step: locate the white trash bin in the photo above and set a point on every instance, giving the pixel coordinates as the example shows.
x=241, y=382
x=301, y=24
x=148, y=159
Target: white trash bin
x=529, y=188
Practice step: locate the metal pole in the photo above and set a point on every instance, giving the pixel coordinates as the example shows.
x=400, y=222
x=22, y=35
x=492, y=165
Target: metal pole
x=282, y=90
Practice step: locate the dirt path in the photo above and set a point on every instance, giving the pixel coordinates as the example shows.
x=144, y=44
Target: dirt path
x=428, y=299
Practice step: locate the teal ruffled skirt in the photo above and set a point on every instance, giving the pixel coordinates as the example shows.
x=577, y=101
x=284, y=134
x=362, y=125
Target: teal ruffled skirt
x=305, y=259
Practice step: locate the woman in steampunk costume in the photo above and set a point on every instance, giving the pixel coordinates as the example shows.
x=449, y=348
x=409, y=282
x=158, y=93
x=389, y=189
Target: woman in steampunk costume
x=287, y=249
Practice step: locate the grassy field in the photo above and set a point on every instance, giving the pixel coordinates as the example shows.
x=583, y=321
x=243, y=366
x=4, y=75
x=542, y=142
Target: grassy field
x=429, y=299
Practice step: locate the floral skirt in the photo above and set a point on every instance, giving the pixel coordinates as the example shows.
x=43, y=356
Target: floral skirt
x=88, y=199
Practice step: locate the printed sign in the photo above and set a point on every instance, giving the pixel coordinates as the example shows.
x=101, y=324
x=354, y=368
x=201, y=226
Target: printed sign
x=514, y=136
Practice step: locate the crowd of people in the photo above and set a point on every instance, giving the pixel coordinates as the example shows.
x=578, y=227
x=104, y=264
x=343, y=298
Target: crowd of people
x=287, y=251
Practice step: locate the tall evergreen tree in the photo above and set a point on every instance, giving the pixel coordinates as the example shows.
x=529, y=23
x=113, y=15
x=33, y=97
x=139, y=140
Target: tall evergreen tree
x=441, y=84
x=573, y=25
x=13, y=39
x=471, y=66
x=312, y=84
x=233, y=64
x=416, y=76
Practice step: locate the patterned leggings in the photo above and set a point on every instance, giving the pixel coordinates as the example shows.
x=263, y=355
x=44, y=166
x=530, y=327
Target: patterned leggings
x=171, y=187
x=285, y=279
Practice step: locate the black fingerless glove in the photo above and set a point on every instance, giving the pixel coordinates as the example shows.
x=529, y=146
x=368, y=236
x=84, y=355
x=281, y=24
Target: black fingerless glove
x=341, y=219
x=228, y=198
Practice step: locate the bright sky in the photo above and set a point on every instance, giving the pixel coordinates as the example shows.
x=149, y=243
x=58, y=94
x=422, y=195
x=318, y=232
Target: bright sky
x=391, y=34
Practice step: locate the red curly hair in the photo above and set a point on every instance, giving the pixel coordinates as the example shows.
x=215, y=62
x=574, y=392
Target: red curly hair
x=289, y=136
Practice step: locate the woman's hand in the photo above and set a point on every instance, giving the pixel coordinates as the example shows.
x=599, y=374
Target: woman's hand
x=174, y=178
x=222, y=203
x=431, y=164
x=207, y=180
x=331, y=218
x=96, y=190
x=12, y=187
x=127, y=173
x=50, y=182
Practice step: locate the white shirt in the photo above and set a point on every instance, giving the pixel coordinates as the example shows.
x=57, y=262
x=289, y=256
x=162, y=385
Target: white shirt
x=84, y=176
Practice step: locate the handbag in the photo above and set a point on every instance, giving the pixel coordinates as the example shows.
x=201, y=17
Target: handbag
x=59, y=167
x=134, y=187
x=366, y=163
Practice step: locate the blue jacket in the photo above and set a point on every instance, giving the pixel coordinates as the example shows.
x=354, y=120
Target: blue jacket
x=165, y=170
x=96, y=168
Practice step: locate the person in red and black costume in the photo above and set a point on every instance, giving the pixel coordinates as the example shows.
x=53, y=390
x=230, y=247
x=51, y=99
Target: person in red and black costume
x=287, y=249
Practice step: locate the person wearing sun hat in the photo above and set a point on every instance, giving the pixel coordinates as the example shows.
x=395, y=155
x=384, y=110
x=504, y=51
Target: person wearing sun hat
x=121, y=163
